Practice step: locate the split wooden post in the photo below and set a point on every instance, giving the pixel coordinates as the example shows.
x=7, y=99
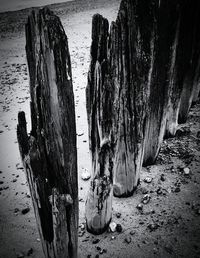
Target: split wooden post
x=99, y=111
x=49, y=154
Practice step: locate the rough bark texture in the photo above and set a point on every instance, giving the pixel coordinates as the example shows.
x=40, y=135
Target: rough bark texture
x=49, y=154
x=192, y=75
x=99, y=110
x=150, y=55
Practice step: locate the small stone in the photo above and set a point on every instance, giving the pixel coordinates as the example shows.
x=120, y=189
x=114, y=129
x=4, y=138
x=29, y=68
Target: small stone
x=85, y=175
x=146, y=198
x=139, y=206
x=112, y=226
x=1, y=182
x=14, y=180
x=186, y=171
x=98, y=248
x=153, y=226
x=20, y=255
x=95, y=241
x=162, y=177
x=159, y=191
x=25, y=211
x=128, y=239
x=113, y=237
x=148, y=180
x=16, y=210
x=119, y=228
x=118, y=215
x=82, y=226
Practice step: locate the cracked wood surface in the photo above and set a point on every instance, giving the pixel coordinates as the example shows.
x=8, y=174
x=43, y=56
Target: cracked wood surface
x=49, y=154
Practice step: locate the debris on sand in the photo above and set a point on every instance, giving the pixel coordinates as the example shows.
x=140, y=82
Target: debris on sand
x=128, y=239
x=112, y=226
x=85, y=175
x=148, y=180
x=146, y=198
x=25, y=210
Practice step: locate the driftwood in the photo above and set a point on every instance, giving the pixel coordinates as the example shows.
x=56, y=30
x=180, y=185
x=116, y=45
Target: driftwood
x=49, y=154
x=99, y=110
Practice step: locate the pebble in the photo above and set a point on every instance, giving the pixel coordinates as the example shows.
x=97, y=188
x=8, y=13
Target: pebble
x=25, y=211
x=186, y=171
x=118, y=215
x=148, y=180
x=119, y=228
x=85, y=175
x=96, y=241
x=159, y=191
x=146, y=198
x=162, y=177
x=112, y=226
x=139, y=206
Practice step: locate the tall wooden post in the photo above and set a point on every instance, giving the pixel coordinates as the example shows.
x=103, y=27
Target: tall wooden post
x=99, y=109
x=49, y=154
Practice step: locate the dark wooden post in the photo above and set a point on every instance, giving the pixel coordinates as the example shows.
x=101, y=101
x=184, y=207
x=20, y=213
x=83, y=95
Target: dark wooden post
x=99, y=110
x=131, y=42
x=191, y=81
x=49, y=154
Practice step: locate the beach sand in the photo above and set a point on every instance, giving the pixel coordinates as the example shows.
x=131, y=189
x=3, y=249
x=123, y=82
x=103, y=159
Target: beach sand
x=170, y=223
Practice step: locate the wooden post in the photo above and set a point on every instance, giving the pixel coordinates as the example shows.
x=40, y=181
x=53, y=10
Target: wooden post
x=191, y=81
x=131, y=42
x=99, y=110
x=49, y=154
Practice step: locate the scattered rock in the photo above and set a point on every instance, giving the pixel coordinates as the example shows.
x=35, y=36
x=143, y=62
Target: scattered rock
x=85, y=175
x=113, y=237
x=186, y=171
x=153, y=226
x=20, y=255
x=119, y=228
x=139, y=206
x=146, y=198
x=25, y=211
x=95, y=241
x=148, y=180
x=159, y=191
x=128, y=239
x=112, y=226
x=162, y=177
x=118, y=215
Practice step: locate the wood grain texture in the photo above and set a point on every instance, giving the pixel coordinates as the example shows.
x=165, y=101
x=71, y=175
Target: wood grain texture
x=49, y=154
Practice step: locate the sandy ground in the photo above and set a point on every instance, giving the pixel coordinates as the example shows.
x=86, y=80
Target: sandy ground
x=167, y=226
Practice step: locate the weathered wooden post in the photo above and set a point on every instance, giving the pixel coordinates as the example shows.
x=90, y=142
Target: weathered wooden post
x=131, y=49
x=192, y=75
x=99, y=110
x=49, y=154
